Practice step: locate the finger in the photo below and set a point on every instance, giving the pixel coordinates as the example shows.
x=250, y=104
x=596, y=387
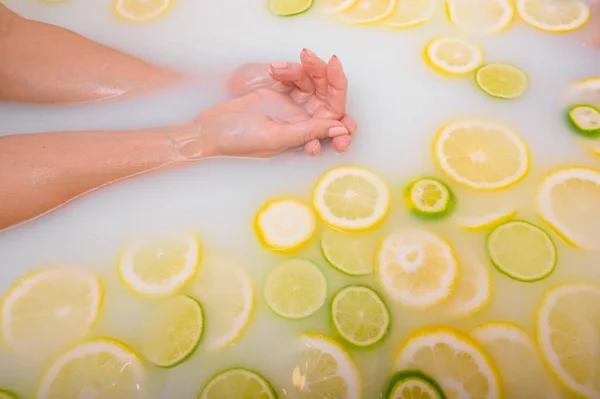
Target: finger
x=292, y=72
x=337, y=88
x=316, y=68
x=300, y=133
x=341, y=143
x=350, y=123
x=313, y=147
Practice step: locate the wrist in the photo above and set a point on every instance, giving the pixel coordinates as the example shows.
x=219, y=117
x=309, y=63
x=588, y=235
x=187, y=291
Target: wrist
x=190, y=142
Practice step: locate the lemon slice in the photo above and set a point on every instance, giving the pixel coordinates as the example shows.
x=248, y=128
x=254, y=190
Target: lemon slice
x=481, y=16
x=360, y=316
x=411, y=13
x=568, y=334
x=238, y=384
x=568, y=201
x=472, y=292
x=486, y=221
x=289, y=7
x=554, y=15
x=173, y=332
x=523, y=373
x=285, y=225
x=585, y=91
x=336, y=6
x=502, y=80
x=411, y=384
x=369, y=11
x=428, y=197
x=100, y=368
x=7, y=395
x=351, y=198
x=453, y=55
x=417, y=268
x=159, y=267
x=141, y=10
x=61, y=303
x=350, y=253
x=227, y=297
x=325, y=370
x=481, y=155
x=585, y=120
x=446, y=355
x=296, y=289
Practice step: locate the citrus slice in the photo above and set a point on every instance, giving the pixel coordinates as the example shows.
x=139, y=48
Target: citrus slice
x=160, y=267
x=351, y=198
x=523, y=373
x=446, y=355
x=481, y=155
x=350, y=253
x=411, y=13
x=61, y=303
x=568, y=334
x=569, y=202
x=585, y=119
x=173, y=331
x=141, y=10
x=325, y=370
x=285, y=225
x=585, y=91
x=227, y=297
x=335, y=6
x=360, y=316
x=486, y=221
x=412, y=384
x=296, y=289
x=289, y=7
x=428, y=197
x=481, y=16
x=554, y=15
x=238, y=384
x=522, y=251
x=472, y=292
x=417, y=268
x=369, y=11
x=100, y=368
x=453, y=55
x=7, y=395
x=502, y=80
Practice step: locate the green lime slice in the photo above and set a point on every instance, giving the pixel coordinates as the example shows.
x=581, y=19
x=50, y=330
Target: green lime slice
x=410, y=384
x=350, y=253
x=585, y=119
x=173, y=332
x=296, y=289
x=7, y=395
x=522, y=251
x=502, y=80
x=429, y=197
x=238, y=383
x=289, y=7
x=360, y=316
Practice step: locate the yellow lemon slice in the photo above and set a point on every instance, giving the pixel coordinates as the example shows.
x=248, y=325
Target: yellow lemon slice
x=472, y=292
x=335, y=6
x=285, y=225
x=453, y=55
x=411, y=13
x=554, y=15
x=481, y=155
x=502, y=80
x=481, y=16
x=486, y=221
x=585, y=91
x=369, y=11
x=238, y=384
x=141, y=10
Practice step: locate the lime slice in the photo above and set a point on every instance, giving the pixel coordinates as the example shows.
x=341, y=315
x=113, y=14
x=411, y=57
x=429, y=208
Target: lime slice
x=585, y=119
x=238, y=384
x=7, y=395
x=289, y=7
x=412, y=384
x=502, y=80
x=350, y=253
x=429, y=197
x=173, y=332
x=296, y=289
x=522, y=251
x=360, y=316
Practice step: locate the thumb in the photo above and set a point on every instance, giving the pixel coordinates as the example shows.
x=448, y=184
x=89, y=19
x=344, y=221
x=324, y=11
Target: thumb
x=300, y=133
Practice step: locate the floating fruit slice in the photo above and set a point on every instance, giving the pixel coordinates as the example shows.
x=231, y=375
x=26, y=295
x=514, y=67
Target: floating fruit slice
x=351, y=198
x=585, y=91
x=481, y=16
x=289, y=7
x=481, y=155
x=568, y=334
x=411, y=13
x=285, y=225
x=585, y=119
x=412, y=384
x=101, y=368
x=486, y=221
x=296, y=289
x=417, y=268
x=472, y=292
x=238, y=384
x=453, y=55
x=350, y=253
x=335, y=6
x=429, y=197
x=160, y=267
x=49, y=310
x=360, y=316
x=141, y=10
x=369, y=11
x=502, y=80
x=7, y=395
x=569, y=202
x=173, y=332
x=445, y=355
x=554, y=15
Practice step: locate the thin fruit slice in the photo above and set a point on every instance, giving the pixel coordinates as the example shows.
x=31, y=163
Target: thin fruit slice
x=502, y=80
x=285, y=225
x=101, y=368
x=296, y=289
x=486, y=221
x=585, y=120
x=446, y=355
x=141, y=10
x=325, y=370
x=238, y=384
x=453, y=55
x=412, y=384
x=289, y=7
x=350, y=253
x=429, y=197
x=227, y=297
x=522, y=251
x=7, y=395
x=160, y=267
x=481, y=16
x=411, y=13
x=62, y=304
x=481, y=155
x=472, y=292
x=360, y=316
x=569, y=202
x=518, y=361
x=173, y=331
x=351, y=198
x=335, y=6
x=417, y=267
x=554, y=15
x=585, y=91
x=568, y=334
x=369, y=11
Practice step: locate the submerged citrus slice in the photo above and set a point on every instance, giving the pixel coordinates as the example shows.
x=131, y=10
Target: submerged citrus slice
x=369, y=11
x=289, y=7
x=568, y=334
x=417, y=268
x=486, y=221
x=472, y=292
x=238, y=384
x=335, y=6
x=428, y=197
x=285, y=225
x=585, y=119
x=502, y=80
x=411, y=384
x=453, y=55
x=351, y=198
x=350, y=253
x=7, y=395
x=481, y=16
x=586, y=91
x=141, y=10
x=554, y=15
x=481, y=155
x=411, y=13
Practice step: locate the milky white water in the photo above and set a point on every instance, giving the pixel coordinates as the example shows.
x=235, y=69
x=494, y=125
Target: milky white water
x=399, y=104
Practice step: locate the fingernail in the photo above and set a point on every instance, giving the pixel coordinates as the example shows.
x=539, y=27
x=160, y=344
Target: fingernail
x=337, y=131
x=279, y=65
x=310, y=53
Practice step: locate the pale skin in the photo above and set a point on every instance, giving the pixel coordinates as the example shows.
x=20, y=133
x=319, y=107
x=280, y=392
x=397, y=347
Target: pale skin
x=276, y=107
